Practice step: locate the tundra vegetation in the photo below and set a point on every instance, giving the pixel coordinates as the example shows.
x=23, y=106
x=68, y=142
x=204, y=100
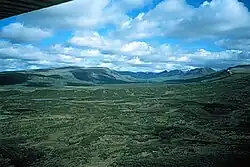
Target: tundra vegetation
x=188, y=123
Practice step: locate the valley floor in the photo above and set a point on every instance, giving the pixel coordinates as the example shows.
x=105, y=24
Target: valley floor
x=203, y=124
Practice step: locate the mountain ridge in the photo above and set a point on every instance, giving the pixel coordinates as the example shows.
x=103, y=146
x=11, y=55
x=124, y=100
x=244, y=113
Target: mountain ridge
x=89, y=76
x=178, y=73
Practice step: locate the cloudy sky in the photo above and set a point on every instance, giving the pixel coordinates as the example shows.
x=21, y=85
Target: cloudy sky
x=135, y=35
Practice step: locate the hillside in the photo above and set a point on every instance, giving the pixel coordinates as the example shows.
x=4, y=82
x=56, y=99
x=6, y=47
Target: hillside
x=67, y=76
x=80, y=76
x=151, y=125
x=230, y=73
x=168, y=75
x=197, y=72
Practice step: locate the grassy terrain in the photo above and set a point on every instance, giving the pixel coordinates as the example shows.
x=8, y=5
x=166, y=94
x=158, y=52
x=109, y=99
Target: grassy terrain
x=131, y=125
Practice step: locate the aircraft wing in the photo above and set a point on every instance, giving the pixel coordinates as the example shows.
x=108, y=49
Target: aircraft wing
x=9, y=8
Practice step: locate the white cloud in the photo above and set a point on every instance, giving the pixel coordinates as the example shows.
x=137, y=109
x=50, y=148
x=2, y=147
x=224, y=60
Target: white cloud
x=170, y=18
x=89, y=39
x=215, y=18
x=17, y=32
x=139, y=28
x=219, y=60
x=59, y=48
x=104, y=35
x=179, y=59
x=137, y=3
x=19, y=51
x=107, y=65
x=28, y=56
x=55, y=54
x=236, y=44
x=135, y=60
x=137, y=48
x=94, y=40
x=175, y=18
x=76, y=52
x=93, y=52
x=141, y=54
x=77, y=14
x=69, y=59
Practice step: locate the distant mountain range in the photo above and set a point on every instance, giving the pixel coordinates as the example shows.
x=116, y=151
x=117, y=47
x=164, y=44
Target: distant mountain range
x=80, y=76
x=173, y=74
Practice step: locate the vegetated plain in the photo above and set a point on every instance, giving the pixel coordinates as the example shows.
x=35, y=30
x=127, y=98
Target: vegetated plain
x=200, y=122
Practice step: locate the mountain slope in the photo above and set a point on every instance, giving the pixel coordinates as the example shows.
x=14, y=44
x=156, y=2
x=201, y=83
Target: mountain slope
x=11, y=78
x=168, y=75
x=240, y=69
x=99, y=76
x=230, y=73
x=198, y=72
x=211, y=77
x=138, y=75
x=79, y=76
x=66, y=76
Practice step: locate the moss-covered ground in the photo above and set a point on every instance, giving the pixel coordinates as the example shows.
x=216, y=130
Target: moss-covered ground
x=133, y=125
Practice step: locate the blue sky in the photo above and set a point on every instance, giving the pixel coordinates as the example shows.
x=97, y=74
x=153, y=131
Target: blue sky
x=135, y=35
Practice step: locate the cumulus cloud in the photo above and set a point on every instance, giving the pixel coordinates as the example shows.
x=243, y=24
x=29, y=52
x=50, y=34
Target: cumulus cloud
x=137, y=48
x=172, y=18
x=58, y=55
x=218, y=60
x=94, y=40
x=105, y=34
x=20, y=51
x=128, y=5
x=76, y=14
x=17, y=32
x=215, y=18
x=137, y=61
x=236, y=44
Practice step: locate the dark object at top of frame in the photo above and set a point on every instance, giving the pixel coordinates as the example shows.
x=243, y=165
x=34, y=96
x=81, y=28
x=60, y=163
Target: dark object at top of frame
x=9, y=8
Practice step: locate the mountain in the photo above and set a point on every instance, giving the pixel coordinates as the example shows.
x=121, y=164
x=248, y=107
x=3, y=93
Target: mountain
x=168, y=75
x=138, y=75
x=80, y=76
x=66, y=76
x=232, y=73
x=240, y=69
x=99, y=76
x=211, y=77
x=200, y=72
